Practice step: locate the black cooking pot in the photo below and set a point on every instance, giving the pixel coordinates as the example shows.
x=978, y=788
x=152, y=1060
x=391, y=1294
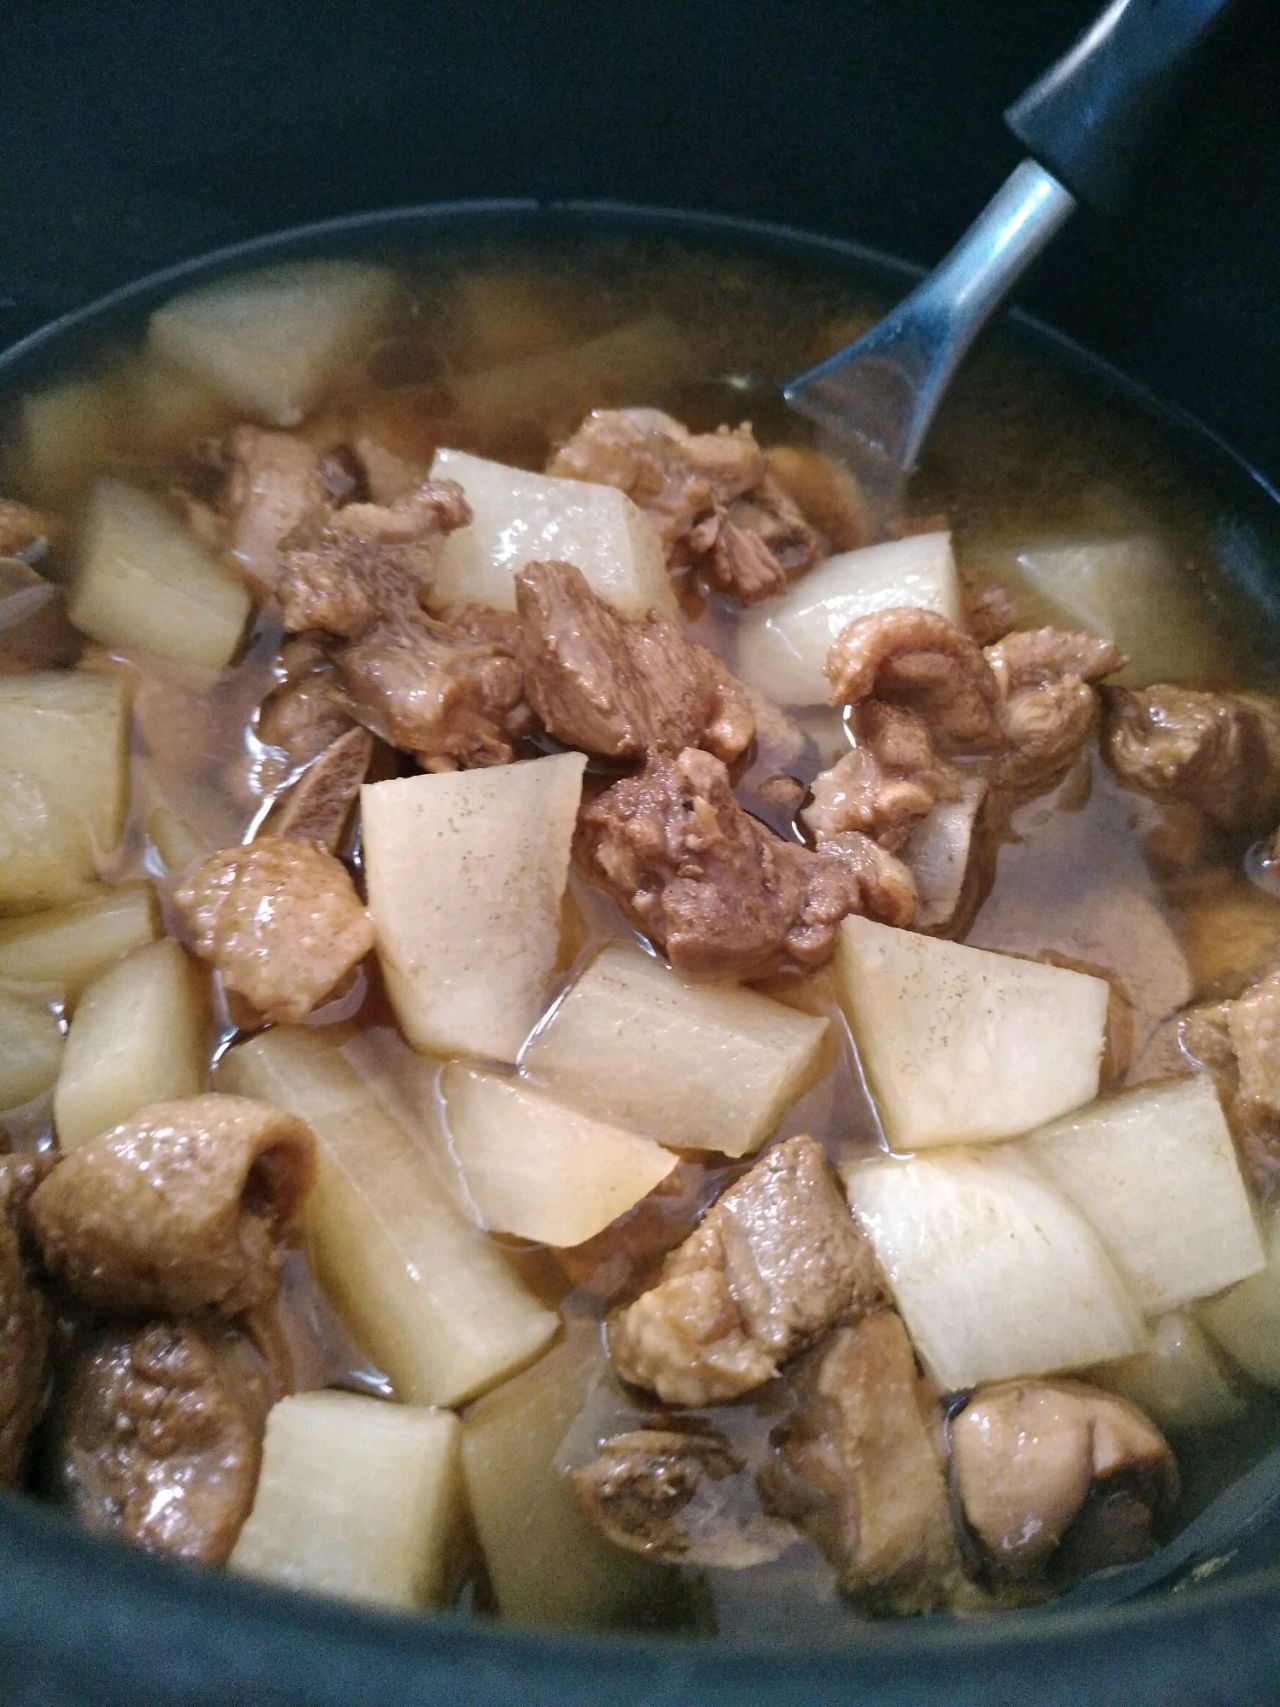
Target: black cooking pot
x=698, y=104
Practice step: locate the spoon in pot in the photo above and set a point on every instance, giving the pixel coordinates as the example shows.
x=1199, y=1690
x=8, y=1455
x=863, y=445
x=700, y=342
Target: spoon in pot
x=1083, y=123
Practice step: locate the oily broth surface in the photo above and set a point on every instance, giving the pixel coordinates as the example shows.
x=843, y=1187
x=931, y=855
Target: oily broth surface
x=1020, y=449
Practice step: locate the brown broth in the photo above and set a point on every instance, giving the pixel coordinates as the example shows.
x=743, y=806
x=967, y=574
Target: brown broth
x=1023, y=451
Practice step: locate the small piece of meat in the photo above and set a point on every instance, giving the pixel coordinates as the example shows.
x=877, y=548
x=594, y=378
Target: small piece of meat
x=1239, y=1042
x=1055, y=1476
x=1217, y=751
x=181, y=1208
x=155, y=1434
x=772, y=1264
x=826, y=492
x=619, y=686
x=625, y=1255
x=1048, y=702
x=987, y=609
x=280, y=921
x=20, y=1174
x=302, y=716
x=319, y=805
x=918, y=659
x=890, y=781
x=711, y=496
x=365, y=563
x=754, y=546
x=450, y=692
x=681, y=1497
x=858, y=1465
x=276, y=484
x=723, y=895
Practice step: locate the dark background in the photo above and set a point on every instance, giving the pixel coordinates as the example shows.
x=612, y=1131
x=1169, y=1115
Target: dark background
x=137, y=132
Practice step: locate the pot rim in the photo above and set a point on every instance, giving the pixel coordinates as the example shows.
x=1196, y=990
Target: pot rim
x=71, y=1603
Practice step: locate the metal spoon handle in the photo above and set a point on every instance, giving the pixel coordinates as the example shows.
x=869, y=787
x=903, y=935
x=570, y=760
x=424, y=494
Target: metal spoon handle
x=889, y=383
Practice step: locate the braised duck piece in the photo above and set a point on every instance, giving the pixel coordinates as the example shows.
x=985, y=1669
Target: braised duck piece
x=1049, y=706
x=280, y=920
x=1060, y=1478
x=720, y=893
x=1239, y=1042
x=891, y=779
x=1217, y=751
x=859, y=1467
x=155, y=1434
x=712, y=497
x=618, y=686
x=181, y=1208
x=773, y=1263
x=679, y=1496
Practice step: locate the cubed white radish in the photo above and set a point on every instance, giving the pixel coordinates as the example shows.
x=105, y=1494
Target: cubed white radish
x=1245, y=1321
x=521, y=518
x=356, y=1497
x=937, y=852
x=30, y=1049
x=961, y=1045
x=782, y=646
x=994, y=1273
x=70, y=945
x=538, y=1169
x=1181, y=1383
x=139, y=1035
x=273, y=341
x=423, y=1291
x=545, y=1561
x=1155, y=1174
x=698, y=1066
x=466, y=873
x=68, y=431
x=146, y=584
x=1131, y=589
x=63, y=782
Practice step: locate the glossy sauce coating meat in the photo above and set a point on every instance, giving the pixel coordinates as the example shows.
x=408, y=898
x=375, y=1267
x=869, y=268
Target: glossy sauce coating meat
x=181, y=1208
x=773, y=1262
x=279, y=919
x=156, y=1434
x=720, y=893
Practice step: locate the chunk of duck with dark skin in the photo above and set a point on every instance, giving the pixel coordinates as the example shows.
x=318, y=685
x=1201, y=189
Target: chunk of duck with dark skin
x=1058, y=1479
x=715, y=502
x=1219, y=752
x=617, y=686
x=155, y=1434
x=773, y=1263
x=182, y=1208
x=679, y=1496
x=718, y=891
x=859, y=1467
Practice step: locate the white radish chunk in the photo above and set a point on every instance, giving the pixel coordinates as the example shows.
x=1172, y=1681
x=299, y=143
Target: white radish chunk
x=782, y=645
x=31, y=1045
x=520, y=518
x=139, y=1035
x=699, y=1066
x=994, y=1274
x=1155, y=1174
x=272, y=342
x=962, y=1045
x=466, y=873
x=424, y=1293
x=538, y=1169
x=146, y=584
x=63, y=783
x=356, y=1497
